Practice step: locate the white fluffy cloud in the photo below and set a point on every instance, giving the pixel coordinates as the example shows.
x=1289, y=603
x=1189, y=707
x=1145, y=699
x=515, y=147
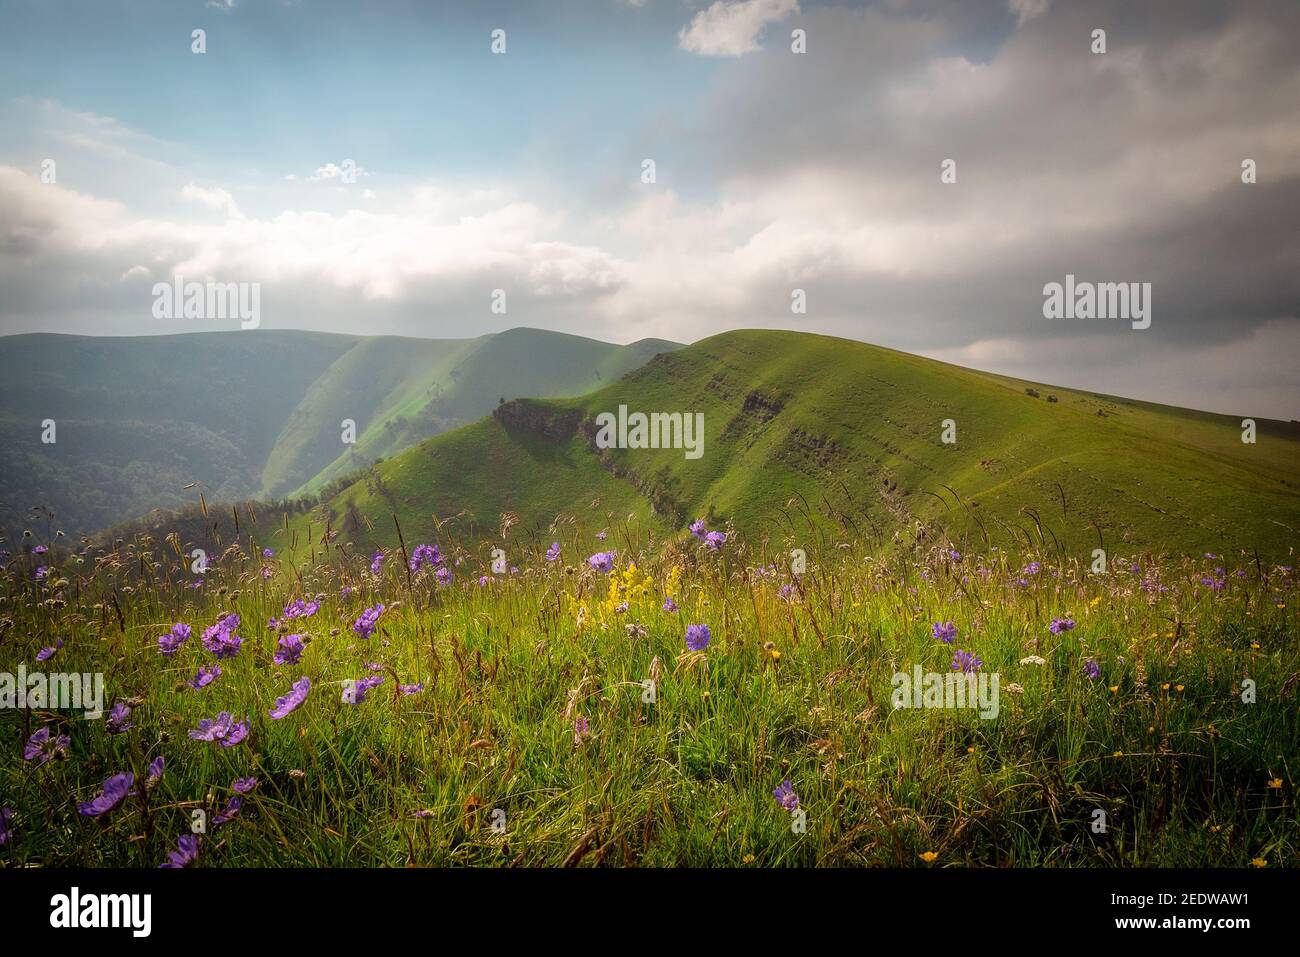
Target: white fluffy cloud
x=732, y=27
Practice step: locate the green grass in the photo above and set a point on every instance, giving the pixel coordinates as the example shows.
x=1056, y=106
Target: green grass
x=1181, y=766
x=850, y=434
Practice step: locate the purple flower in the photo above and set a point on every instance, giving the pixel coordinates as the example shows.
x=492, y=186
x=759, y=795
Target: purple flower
x=1059, y=625
x=425, y=555
x=186, y=853
x=376, y=562
x=483, y=581
x=786, y=797
x=267, y=572
x=115, y=788
x=116, y=723
x=267, y=553
x=670, y=606
x=698, y=528
x=409, y=690
x=786, y=591
x=155, y=772
x=697, y=637
x=299, y=609
x=230, y=813
x=45, y=654
x=1092, y=669
x=443, y=576
x=553, y=553
x=288, y=703
x=944, y=631
x=361, y=688
x=44, y=746
x=6, y=824
x=364, y=626
x=40, y=550
x=288, y=650
x=171, y=642
x=205, y=677
x=715, y=540
x=222, y=729
x=581, y=729
x=220, y=639
x=1033, y=568
x=602, y=561
x=244, y=785
x=42, y=572
x=967, y=662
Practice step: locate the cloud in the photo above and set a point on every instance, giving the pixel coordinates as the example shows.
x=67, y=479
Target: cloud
x=329, y=171
x=218, y=199
x=731, y=28
x=1026, y=10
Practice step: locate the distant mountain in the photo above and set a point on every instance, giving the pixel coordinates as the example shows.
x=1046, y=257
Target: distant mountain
x=807, y=434
x=250, y=414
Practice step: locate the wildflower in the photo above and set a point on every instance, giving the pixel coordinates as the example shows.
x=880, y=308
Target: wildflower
x=45, y=654
x=116, y=723
x=929, y=857
x=288, y=650
x=786, y=592
x=443, y=576
x=171, y=642
x=1275, y=783
x=267, y=572
x=967, y=662
x=1258, y=862
x=1092, y=669
x=115, y=788
x=602, y=561
x=635, y=630
x=1059, y=625
x=1033, y=568
x=244, y=785
x=42, y=745
x=553, y=553
x=206, y=675
x=298, y=608
x=698, y=528
x=670, y=606
x=362, y=687
x=220, y=639
x=601, y=535
x=697, y=637
x=230, y=813
x=1033, y=660
x=42, y=572
x=376, y=562
x=286, y=704
x=267, y=553
x=6, y=824
x=186, y=853
x=715, y=540
x=581, y=729
x=425, y=555
x=483, y=581
x=786, y=797
x=944, y=631
x=364, y=626
x=222, y=729
x=155, y=772
x=408, y=690
x=40, y=550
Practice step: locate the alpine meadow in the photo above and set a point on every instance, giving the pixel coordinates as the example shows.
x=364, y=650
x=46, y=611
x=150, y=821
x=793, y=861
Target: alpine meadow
x=784, y=436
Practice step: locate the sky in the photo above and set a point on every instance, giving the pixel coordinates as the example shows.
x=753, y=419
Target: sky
x=775, y=170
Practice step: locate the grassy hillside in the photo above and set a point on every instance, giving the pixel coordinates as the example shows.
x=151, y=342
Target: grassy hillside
x=850, y=434
x=249, y=414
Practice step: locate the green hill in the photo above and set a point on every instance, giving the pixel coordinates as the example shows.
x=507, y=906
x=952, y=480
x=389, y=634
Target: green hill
x=250, y=413
x=802, y=427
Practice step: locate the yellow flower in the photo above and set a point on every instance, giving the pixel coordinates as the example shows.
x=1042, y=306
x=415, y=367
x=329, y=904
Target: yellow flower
x=1255, y=645
x=970, y=750
x=929, y=857
x=1165, y=686
x=776, y=655
x=1095, y=602
x=1114, y=689
x=1179, y=687
x=1259, y=862
x=1275, y=783
x=747, y=859
x=1119, y=754
x=1281, y=604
